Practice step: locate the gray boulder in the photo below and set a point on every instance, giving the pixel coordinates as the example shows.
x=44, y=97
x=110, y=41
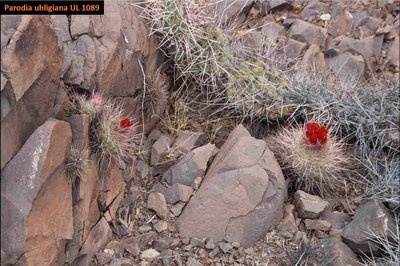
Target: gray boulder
x=308, y=33
x=244, y=186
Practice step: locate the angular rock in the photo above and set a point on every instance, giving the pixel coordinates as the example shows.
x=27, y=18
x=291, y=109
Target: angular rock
x=177, y=209
x=371, y=217
x=313, y=59
x=161, y=226
x=142, y=170
x=227, y=11
x=192, y=165
x=359, y=19
x=149, y=254
x=30, y=219
x=320, y=225
x=245, y=186
x=225, y=247
x=294, y=48
x=174, y=193
x=187, y=141
x=314, y=8
x=288, y=226
x=210, y=244
x=156, y=202
x=163, y=243
x=347, y=65
x=144, y=228
x=308, y=33
x=97, y=238
x=197, y=242
x=337, y=219
x=342, y=20
x=309, y=206
x=145, y=240
x=111, y=189
x=364, y=47
x=276, y=5
x=154, y=135
x=80, y=130
x=33, y=72
x=79, y=25
x=338, y=253
x=272, y=29
x=160, y=148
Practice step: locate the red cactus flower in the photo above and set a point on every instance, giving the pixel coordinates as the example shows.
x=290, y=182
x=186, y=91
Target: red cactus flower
x=125, y=123
x=97, y=100
x=316, y=133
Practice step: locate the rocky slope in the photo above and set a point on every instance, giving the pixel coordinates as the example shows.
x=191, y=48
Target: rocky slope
x=183, y=200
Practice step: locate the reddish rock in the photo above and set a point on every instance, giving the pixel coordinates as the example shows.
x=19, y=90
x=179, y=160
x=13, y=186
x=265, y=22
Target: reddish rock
x=34, y=176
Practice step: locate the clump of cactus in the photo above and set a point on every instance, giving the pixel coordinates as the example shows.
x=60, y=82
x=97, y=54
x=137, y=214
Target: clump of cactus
x=113, y=134
x=313, y=160
x=75, y=163
x=154, y=96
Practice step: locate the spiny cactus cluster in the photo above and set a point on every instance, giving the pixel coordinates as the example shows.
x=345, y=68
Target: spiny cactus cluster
x=314, y=161
x=112, y=133
x=75, y=163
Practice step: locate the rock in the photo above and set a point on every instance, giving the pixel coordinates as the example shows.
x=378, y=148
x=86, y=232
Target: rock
x=272, y=30
x=236, y=244
x=197, y=242
x=156, y=202
x=359, y=19
x=347, y=65
x=308, y=33
x=213, y=253
x=377, y=45
x=314, y=8
x=197, y=182
x=225, y=247
x=161, y=168
x=79, y=25
x=97, y=238
x=103, y=258
x=210, y=244
x=144, y=228
x=337, y=219
x=149, y=254
x=309, y=206
x=338, y=253
x=111, y=189
x=364, y=47
x=342, y=20
x=192, y=165
x=313, y=59
x=160, y=148
x=154, y=135
x=163, y=243
x=276, y=5
x=142, y=170
x=32, y=85
x=371, y=217
x=320, y=225
x=226, y=11
x=245, y=186
x=174, y=193
x=193, y=262
x=177, y=209
x=145, y=240
x=294, y=48
x=80, y=130
x=373, y=23
x=288, y=226
x=249, y=251
x=393, y=53
x=187, y=141
x=34, y=193
x=161, y=226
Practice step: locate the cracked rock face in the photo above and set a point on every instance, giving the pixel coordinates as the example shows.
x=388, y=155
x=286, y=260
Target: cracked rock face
x=244, y=186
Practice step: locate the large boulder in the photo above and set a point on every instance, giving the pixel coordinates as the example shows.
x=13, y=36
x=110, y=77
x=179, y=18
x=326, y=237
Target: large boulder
x=244, y=186
x=36, y=198
x=31, y=64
